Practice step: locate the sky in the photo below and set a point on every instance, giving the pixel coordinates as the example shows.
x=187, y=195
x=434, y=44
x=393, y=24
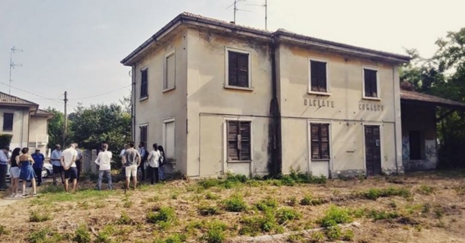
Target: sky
x=76, y=46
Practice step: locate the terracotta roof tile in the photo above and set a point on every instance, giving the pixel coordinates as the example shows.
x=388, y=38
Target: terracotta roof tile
x=13, y=100
x=406, y=95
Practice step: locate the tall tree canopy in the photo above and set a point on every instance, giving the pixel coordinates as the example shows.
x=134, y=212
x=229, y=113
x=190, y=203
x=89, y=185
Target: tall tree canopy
x=443, y=75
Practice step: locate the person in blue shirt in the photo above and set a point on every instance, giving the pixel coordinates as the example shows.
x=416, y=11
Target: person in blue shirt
x=38, y=165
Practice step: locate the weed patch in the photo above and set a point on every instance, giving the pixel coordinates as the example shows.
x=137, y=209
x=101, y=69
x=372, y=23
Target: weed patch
x=284, y=215
x=235, y=204
x=309, y=200
x=165, y=216
x=426, y=190
x=380, y=215
x=3, y=230
x=205, y=210
x=334, y=216
x=125, y=219
x=376, y=193
x=82, y=235
x=267, y=203
x=215, y=232
x=37, y=216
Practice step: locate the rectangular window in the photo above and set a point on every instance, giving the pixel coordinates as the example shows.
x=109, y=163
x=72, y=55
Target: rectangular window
x=143, y=135
x=318, y=76
x=169, y=139
x=144, y=84
x=239, y=141
x=319, y=140
x=371, y=83
x=7, y=121
x=238, y=69
x=170, y=71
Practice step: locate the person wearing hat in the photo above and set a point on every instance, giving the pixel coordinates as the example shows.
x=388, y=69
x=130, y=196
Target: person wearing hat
x=3, y=167
x=38, y=165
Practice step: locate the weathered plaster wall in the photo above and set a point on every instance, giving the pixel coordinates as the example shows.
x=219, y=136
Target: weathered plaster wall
x=160, y=105
x=38, y=132
x=210, y=103
x=20, y=125
x=344, y=109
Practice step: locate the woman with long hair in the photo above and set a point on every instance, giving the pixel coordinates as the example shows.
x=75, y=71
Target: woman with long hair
x=14, y=173
x=161, y=170
x=25, y=161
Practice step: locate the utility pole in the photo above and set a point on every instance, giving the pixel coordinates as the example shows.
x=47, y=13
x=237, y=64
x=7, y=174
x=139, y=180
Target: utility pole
x=13, y=65
x=65, y=125
x=266, y=14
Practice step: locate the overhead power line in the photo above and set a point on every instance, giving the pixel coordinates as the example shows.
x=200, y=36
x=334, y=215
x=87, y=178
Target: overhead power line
x=109, y=92
x=25, y=91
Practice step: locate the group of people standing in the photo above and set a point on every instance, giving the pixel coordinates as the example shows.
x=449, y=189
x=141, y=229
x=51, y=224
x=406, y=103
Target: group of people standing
x=22, y=166
x=149, y=163
x=67, y=165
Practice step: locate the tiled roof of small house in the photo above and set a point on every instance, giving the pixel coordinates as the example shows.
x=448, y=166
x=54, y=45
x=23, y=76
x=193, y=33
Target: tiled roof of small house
x=40, y=112
x=186, y=17
x=6, y=99
x=408, y=94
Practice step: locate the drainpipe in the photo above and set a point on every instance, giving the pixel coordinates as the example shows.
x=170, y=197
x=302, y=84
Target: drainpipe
x=133, y=102
x=395, y=119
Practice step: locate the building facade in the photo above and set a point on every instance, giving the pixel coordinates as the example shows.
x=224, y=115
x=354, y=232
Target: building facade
x=23, y=119
x=226, y=98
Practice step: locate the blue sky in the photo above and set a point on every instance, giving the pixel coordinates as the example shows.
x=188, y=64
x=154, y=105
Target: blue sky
x=76, y=46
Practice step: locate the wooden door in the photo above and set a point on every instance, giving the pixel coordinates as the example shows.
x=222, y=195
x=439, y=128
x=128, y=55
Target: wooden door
x=372, y=150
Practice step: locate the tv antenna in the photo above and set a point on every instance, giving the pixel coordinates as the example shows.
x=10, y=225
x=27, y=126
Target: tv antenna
x=266, y=12
x=13, y=65
x=236, y=9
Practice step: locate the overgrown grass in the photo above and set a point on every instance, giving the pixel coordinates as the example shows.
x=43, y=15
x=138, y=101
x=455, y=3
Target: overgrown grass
x=309, y=200
x=381, y=215
x=125, y=219
x=206, y=209
x=56, y=194
x=426, y=190
x=267, y=203
x=164, y=217
x=376, y=193
x=335, y=215
x=235, y=203
x=284, y=215
x=46, y=236
x=39, y=216
x=3, y=230
x=82, y=235
x=215, y=232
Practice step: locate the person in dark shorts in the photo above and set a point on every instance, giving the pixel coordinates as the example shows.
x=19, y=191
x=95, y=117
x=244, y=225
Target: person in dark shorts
x=57, y=168
x=38, y=165
x=68, y=159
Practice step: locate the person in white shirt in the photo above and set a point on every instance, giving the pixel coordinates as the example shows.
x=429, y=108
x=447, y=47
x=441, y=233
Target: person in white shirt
x=153, y=164
x=57, y=168
x=68, y=159
x=104, y=162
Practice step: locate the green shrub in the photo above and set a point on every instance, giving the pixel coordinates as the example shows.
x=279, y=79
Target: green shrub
x=205, y=210
x=288, y=180
x=284, y=215
x=215, y=232
x=257, y=224
x=164, y=215
x=82, y=235
x=103, y=237
x=37, y=216
x=5, y=140
x=235, y=203
x=334, y=216
x=267, y=203
x=309, y=200
x=333, y=233
x=208, y=183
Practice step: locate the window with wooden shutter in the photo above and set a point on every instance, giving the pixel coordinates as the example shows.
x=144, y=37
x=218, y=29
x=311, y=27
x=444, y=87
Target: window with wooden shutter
x=238, y=69
x=143, y=135
x=239, y=141
x=170, y=71
x=319, y=134
x=371, y=83
x=144, y=84
x=318, y=76
x=7, y=121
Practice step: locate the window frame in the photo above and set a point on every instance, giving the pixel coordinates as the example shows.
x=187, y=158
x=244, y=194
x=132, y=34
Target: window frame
x=378, y=87
x=310, y=153
x=328, y=83
x=165, y=122
x=12, y=121
x=165, y=71
x=144, y=69
x=146, y=126
x=249, y=71
x=225, y=140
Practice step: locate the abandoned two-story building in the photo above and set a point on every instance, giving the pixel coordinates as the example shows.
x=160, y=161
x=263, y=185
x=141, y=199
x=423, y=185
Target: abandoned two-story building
x=226, y=98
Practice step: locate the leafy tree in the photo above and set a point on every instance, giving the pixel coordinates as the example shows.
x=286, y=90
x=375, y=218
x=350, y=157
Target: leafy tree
x=55, y=128
x=443, y=75
x=101, y=123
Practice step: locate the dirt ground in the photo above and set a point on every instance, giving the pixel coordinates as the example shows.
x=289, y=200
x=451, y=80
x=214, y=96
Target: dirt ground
x=433, y=210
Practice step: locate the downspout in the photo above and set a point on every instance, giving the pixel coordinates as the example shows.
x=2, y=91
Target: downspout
x=275, y=162
x=133, y=103
x=395, y=119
